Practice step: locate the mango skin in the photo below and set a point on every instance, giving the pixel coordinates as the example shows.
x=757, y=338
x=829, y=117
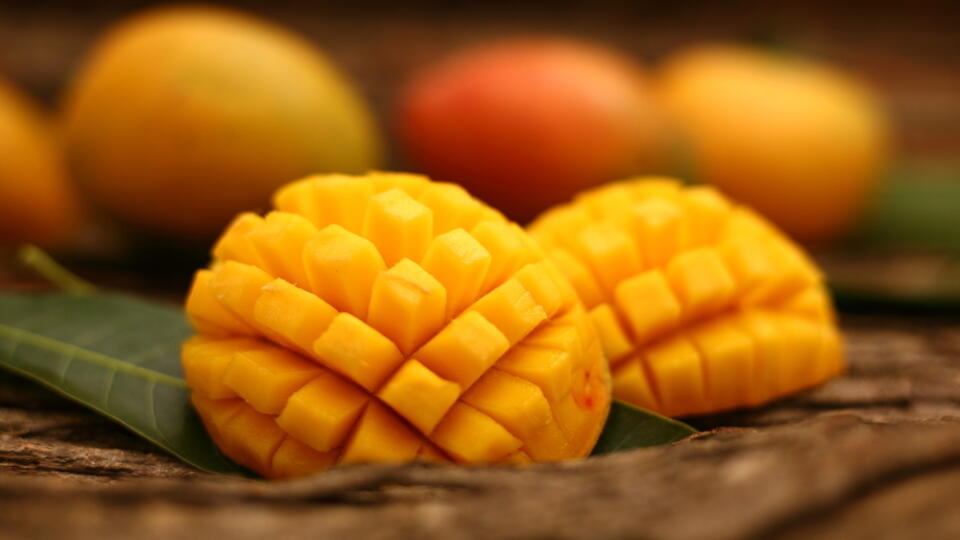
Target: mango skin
x=701, y=305
x=38, y=202
x=801, y=142
x=386, y=319
x=182, y=117
x=528, y=122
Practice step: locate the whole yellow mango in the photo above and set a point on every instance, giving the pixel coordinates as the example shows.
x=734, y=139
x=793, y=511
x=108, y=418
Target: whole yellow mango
x=182, y=117
x=37, y=202
x=387, y=318
x=800, y=141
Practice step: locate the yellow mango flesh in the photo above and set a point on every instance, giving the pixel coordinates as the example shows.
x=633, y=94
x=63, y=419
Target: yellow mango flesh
x=387, y=318
x=700, y=305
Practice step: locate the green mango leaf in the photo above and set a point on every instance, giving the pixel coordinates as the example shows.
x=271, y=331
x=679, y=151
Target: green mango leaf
x=115, y=354
x=905, y=253
x=914, y=209
x=629, y=427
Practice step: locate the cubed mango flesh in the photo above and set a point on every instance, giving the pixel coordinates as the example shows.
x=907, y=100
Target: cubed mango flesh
x=384, y=319
x=700, y=304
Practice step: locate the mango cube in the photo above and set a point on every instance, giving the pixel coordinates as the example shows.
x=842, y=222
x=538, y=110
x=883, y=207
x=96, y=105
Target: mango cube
x=460, y=263
x=419, y=395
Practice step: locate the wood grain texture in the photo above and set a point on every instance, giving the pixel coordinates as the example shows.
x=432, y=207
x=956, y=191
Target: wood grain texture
x=873, y=454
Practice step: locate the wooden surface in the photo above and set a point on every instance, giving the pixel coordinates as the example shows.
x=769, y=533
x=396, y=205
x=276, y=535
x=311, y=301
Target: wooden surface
x=873, y=454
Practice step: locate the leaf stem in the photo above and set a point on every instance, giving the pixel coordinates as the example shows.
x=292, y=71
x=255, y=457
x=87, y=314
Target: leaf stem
x=42, y=263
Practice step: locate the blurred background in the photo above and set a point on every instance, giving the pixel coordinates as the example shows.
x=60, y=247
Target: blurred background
x=838, y=120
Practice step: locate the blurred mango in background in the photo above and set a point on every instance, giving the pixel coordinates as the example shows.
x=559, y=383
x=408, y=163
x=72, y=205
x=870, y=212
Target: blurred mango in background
x=525, y=123
x=183, y=116
x=37, y=202
x=801, y=142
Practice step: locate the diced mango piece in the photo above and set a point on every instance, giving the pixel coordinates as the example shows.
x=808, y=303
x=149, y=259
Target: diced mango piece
x=520, y=407
x=561, y=334
x=564, y=287
x=830, y=355
x=413, y=184
x=359, y=352
x=575, y=423
x=630, y=384
x=321, y=413
x=407, y=305
x=207, y=314
x=555, y=227
x=328, y=200
x=675, y=366
x=216, y=413
x=648, y=304
x=548, y=368
x=235, y=243
x=542, y=284
x=579, y=277
x=460, y=263
x=748, y=263
x=251, y=439
x=399, y=225
x=707, y=212
x=473, y=437
x=452, y=207
x=591, y=383
x=609, y=252
x=300, y=198
x=611, y=202
x=342, y=267
x=769, y=353
x=298, y=316
x=515, y=403
x=205, y=362
x=792, y=275
x=279, y=241
x=812, y=302
x=419, y=395
x=512, y=309
x=616, y=344
x=659, y=229
x=294, y=459
x=265, y=378
x=728, y=357
x=510, y=249
x=803, y=339
x=464, y=349
x=701, y=281
x=380, y=437
x=237, y=286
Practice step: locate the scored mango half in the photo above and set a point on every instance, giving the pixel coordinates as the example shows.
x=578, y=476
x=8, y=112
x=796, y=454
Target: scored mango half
x=701, y=305
x=387, y=318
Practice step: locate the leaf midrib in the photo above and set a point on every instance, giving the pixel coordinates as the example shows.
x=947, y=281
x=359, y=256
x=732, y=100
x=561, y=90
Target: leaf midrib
x=86, y=355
